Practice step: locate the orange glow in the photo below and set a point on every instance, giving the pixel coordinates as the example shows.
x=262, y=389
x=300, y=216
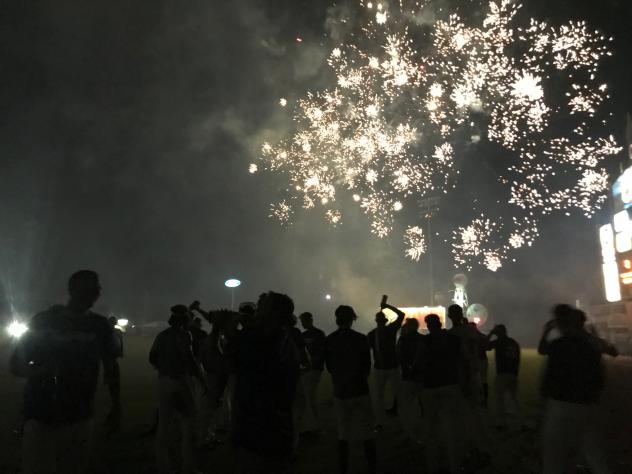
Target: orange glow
x=626, y=278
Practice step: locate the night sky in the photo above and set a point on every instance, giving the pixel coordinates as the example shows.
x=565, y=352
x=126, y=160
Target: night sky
x=126, y=133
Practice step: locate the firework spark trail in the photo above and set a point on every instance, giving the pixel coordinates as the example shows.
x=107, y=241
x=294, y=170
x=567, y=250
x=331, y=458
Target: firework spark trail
x=385, y=135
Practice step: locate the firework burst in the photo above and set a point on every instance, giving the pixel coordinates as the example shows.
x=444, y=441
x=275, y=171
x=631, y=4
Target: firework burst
x=387, y=133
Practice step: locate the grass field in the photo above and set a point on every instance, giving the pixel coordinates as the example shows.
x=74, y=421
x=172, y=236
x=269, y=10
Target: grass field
x=127, y=453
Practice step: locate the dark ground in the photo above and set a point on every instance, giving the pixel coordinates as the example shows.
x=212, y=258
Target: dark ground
x=513, y=452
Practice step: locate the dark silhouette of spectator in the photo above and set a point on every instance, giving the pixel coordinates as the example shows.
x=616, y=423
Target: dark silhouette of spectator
x=314, y=340
x=200, y=393
x=118, y=336
x=172, y=356
x=573, y=383
x=215, y=356
x=408, y=347
x=305, y=363
x=198, y=335
x=507, y=356
x=475, y=435
x=60, y=357
x=440, y=365
x=602, y=345
x=382, y=341
x=267, y=363
x=483, y=363
x=247, y=311
x=470, y=347
x=297, y=337
x=348, y=360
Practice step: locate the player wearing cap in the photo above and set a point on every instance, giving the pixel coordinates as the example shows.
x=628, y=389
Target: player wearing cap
x=172, y=356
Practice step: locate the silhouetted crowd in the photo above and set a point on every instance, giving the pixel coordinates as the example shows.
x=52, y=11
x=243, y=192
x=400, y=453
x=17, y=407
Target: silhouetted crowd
x=254, y=379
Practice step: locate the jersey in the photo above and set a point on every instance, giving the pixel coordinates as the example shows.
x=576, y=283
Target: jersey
x=67, y=349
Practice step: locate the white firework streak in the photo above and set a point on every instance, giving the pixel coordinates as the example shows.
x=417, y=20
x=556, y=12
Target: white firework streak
x=388, y=131
x=415, y=243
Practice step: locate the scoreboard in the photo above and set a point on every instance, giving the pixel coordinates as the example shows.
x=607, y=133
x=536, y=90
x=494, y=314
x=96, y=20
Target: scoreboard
x=616, y=242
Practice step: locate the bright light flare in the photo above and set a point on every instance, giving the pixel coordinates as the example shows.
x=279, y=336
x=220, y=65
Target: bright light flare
x=16, y=329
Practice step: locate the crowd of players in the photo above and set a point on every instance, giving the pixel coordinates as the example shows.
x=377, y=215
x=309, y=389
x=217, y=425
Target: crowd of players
x=257, y=376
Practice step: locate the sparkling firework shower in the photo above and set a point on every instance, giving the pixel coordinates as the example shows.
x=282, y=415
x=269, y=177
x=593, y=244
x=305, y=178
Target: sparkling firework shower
x=388, y=133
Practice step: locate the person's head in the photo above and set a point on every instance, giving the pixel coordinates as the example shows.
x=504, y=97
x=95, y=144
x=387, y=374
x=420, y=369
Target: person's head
x=380, y=319
x=433, y=323
x=275, y=310
x=247, y=308
x=345, y=316
x=247, y=312
x=579, y=319
x=410, y=326
x=307, y=320
x=179, y=316
x=501, y=331
x=565, y=317
x=113, y=321
x=455, y=313
x=84, y=289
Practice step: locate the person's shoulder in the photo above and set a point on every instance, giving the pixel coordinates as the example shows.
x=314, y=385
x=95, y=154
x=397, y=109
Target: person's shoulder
x=44, y=317
x=358, y=335
x=165, y=333
x=98, y=318
x=100, y=323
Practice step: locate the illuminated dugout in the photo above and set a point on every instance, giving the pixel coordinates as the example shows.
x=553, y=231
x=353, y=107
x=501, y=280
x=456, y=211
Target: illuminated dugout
x=418, y=313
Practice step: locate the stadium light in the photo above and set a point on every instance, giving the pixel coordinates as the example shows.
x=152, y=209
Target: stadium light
x=232, y=283
x=16, y=329
x=122, y=322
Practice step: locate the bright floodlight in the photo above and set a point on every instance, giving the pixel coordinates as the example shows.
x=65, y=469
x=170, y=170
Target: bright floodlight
x=232, y=283
x=327, y=297
x=122, y=322
x=17, y=329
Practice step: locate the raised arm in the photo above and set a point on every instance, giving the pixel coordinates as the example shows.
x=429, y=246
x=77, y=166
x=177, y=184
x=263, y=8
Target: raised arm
x=543, y=345
x=195, y=306
x=400, y=314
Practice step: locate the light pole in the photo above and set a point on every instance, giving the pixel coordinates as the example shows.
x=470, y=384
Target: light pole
x=232, y=283
x=428, y=207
